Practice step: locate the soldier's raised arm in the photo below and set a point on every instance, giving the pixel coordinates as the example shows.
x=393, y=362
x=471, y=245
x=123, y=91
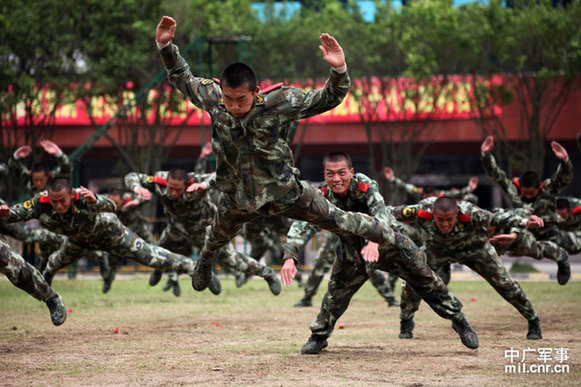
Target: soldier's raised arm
x=564, y=173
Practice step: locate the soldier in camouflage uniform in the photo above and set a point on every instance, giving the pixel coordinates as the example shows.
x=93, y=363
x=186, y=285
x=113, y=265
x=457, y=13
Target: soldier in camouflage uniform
x=188, y=214
x=35, y=181
x=88, y=222
x=26, y=277
x=569, y=209
x=324, y=261
x=357, y=192
x=129, y=213
x=519, y=241
x=457, y=233
x=255, y=167
x=529, y=191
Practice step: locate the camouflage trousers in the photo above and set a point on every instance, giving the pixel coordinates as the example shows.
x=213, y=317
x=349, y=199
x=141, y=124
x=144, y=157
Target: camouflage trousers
x=265, y=234
x=484, y=260
x=22, y=274
x=527, y=245
x=112, y=236
x=403, y=258
x=572, y=241
x=182, y=241
x=324, y=261
x=311, y=206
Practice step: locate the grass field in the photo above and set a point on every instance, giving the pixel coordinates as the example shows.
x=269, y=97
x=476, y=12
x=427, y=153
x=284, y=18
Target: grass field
x=249, y=337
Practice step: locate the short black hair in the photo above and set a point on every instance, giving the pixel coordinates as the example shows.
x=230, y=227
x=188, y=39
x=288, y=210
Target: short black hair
x=429, y=190
x=59, y=183
x=116, y=191
x=563, y=204
x=445, y=204
x=39, y=167
x=178, y=174
x=530, y=179
x=334, y=157
x=238, y=74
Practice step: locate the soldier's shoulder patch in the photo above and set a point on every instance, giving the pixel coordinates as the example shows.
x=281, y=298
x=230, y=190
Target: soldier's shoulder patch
x=29, y=204
x=77, y=196
x=577, y=210
x=363, y=187
x=464, y=218
x=325, y=191
x=43, y=199
x=209, y=81
x=159, y=180
x=423, y=214
x=516, y=182
x=409, y=212
x=542, y=186
x=272, y=87
x=149, y=179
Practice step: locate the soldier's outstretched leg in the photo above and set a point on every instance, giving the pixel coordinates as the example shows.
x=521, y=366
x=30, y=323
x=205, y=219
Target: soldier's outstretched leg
x=26, y=277
x=227, y=256
x=411, y=264
x=486, y=263
x=346, y=279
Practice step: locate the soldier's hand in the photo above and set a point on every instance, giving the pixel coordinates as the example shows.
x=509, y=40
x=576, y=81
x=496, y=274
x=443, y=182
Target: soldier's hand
x=22, y=151
x=535, y=221
x=165, y=30
x=143, y=192
x=196, y=187
x=288, y=272
x=88, y=195
x=332, y=52
x=206, y=150
x=131, y=203
x=559, y=151
x=488, y=145
x=504, y=238
x=370, y=252
x=473, y=183
x=389, y=174
x=4, y=211
x=51, y=148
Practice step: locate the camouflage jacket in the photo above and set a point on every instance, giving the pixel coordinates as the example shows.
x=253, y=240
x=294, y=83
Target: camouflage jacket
x=63, y=169
x=184, y=213
x=363, y=196
x=131, y=216
x=470, y=230
x=573, y=223
x=254, y=161
x=78, y=223
x=544, y=204
x=416, y=192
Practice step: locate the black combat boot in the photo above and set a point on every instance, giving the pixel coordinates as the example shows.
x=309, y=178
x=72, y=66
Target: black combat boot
x=58, y=312
x=467, y=334
x=563, y=271
x=406, y=328
x=155, y=277
x=273, y=282
x=314, y=346
x=202, y=273
x=215, y=285
x=241, y=279
x=305, y=301
x=534, y=332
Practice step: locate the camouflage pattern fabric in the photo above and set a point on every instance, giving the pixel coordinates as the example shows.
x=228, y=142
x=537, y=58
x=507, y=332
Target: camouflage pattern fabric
x=350, y=271
x=64, y=169
x=544, y=204
x=467, y=244
x=22, y=274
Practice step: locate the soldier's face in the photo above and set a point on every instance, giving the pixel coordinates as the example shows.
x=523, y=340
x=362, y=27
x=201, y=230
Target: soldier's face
x=239, y=100
x=117, y=200
x=175, y=188
x=39, y=180
x=529, y=193
x=338, y=176
x=445, y=220
x=563, y=213
x=61, y=200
